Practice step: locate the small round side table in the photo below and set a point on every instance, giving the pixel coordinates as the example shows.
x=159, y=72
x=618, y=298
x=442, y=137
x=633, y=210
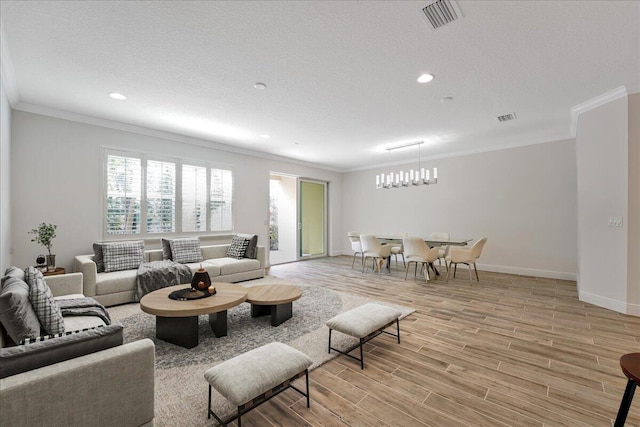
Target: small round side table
x=630, y=364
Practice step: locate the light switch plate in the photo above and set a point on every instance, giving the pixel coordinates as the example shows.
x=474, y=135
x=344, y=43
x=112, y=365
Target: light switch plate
x=615, y=221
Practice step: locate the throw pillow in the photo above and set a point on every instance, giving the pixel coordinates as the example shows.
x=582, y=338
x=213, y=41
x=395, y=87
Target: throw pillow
x=186, y=250
x=122, y=255
x=42, y=301
x=252, y=248
x=166, y=249
x=238, y=247
x=98, y=257
x=13, y=272
x=16, y=313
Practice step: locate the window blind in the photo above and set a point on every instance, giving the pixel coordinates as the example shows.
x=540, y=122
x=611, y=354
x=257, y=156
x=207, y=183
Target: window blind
x=124, y=191
x=161, y=197
x=221, y=192
x=194, y=198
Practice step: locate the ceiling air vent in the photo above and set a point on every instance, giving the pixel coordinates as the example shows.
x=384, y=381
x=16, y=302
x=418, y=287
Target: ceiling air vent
x=441, y=12
x=507, y=117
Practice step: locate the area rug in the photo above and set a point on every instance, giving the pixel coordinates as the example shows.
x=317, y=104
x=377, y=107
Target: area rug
x=181, y=390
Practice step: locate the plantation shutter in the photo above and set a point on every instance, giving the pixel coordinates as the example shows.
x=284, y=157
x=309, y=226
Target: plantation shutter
x=161, y=196
x=221, y=192
x=194, y=198
x=124, y=192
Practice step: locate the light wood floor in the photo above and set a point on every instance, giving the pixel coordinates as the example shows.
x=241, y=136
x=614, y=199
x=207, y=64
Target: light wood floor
x=510, y=350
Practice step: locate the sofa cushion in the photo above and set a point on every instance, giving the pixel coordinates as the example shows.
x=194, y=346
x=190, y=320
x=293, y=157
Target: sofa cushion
x=212, y=269
x=238, y=247
x=98, y=257
x=252, y=247
x=116, y=281
x=231, y=265
x=42, y=301
x=16, y=313
x=120, y=256
x=14, y=272
x=166, y=249
x=186, y=250
x=22, y=358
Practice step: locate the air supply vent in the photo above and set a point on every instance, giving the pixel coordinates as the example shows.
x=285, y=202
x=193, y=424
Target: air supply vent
x=441, y=12
x=507, y=117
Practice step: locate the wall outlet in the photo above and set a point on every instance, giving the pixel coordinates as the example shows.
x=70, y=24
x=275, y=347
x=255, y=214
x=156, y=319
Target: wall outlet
x=615, y=221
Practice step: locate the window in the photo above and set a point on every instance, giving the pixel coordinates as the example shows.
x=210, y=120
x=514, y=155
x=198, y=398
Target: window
x=194, y=198
x=172, y=198
x=124, y=191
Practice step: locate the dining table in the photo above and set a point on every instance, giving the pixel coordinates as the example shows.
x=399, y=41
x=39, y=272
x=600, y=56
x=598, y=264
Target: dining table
x=390, y=239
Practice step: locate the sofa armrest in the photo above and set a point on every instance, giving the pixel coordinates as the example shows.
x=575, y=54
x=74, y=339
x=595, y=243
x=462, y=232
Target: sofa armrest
x=65, y=284
x=84, y=264
x=116, y=384
x=262, y=256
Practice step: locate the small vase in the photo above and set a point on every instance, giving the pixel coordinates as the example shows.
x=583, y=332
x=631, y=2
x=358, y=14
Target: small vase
x=201, y=280
x=51, y=262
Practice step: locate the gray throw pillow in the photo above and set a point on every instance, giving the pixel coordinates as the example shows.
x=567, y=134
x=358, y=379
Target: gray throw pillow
x=252, y=247
x=42, y=301
x=22, y=358
x=13, y=272
x=16, y=313
x=98, y=257
x=186, y=250
x=166, y=249
x=122, y=255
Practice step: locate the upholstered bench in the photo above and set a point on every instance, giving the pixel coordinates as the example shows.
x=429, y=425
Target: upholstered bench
x=256, y=376
x=365, y=323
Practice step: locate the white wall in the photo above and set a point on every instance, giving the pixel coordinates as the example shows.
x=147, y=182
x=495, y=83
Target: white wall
x=5, y=179
x=602, y=158
x=523, y=199
x=57, y=178
x=633, y=221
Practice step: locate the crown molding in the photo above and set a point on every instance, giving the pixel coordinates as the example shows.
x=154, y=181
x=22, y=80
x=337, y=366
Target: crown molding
x=7, y=73
x=599, y=100
x=126, y=127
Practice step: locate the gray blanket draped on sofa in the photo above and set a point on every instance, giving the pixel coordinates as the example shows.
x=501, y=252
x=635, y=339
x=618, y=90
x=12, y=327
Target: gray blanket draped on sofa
x=160, y=274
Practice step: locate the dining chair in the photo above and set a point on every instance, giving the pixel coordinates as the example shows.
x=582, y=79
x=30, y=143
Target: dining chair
x=372, y=248
x=356, y=246
x=466, y=256
x=398, y=249
x=418, y=252
x=443, y=251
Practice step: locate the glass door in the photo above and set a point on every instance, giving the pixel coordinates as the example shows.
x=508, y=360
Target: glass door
x=312, y=224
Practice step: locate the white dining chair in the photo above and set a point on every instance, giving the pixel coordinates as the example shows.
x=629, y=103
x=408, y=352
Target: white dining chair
x=356, y=246
x=443, y=250
x=372, y=248
x=398, y=249
x=418, y=252
x=466, y=256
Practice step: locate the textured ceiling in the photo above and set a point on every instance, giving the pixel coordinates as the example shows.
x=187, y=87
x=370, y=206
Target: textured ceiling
x=340, y=76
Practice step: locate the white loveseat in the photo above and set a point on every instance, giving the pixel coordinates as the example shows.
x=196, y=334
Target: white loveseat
x=118, y=287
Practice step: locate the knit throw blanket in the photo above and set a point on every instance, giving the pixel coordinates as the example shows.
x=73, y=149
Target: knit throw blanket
x=83, y=307
x=160, y=274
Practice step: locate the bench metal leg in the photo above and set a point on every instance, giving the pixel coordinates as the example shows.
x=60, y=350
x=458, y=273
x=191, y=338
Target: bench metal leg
x=366, y=339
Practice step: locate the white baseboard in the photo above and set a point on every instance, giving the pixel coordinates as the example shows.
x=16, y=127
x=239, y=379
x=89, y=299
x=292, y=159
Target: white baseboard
x=561, y=275
x=611, y=304
x=549, y=274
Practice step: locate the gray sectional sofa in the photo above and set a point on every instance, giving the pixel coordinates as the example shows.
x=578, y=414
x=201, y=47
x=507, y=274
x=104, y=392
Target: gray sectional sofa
x=118, y=287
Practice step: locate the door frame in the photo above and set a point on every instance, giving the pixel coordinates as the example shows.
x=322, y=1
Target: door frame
x=325, y=185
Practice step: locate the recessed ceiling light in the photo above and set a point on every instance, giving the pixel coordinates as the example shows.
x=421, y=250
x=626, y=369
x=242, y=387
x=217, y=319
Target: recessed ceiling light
x=425, y=78
x=118, y=96
x=447, y=99
x=265, y=136
x=260, y=86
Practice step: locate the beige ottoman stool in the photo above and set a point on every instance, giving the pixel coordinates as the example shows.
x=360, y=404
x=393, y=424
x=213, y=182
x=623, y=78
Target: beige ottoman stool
x=256, y=376
x=365, y=323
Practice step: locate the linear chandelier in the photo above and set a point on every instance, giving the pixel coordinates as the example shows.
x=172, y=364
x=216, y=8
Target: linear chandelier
x=420, y=176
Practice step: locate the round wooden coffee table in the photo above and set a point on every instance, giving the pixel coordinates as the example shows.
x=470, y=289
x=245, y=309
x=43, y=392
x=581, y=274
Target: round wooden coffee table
x=276, y=300
x=177, y=321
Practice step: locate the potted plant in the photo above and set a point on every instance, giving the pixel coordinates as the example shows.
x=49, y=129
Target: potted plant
x=44, y=235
